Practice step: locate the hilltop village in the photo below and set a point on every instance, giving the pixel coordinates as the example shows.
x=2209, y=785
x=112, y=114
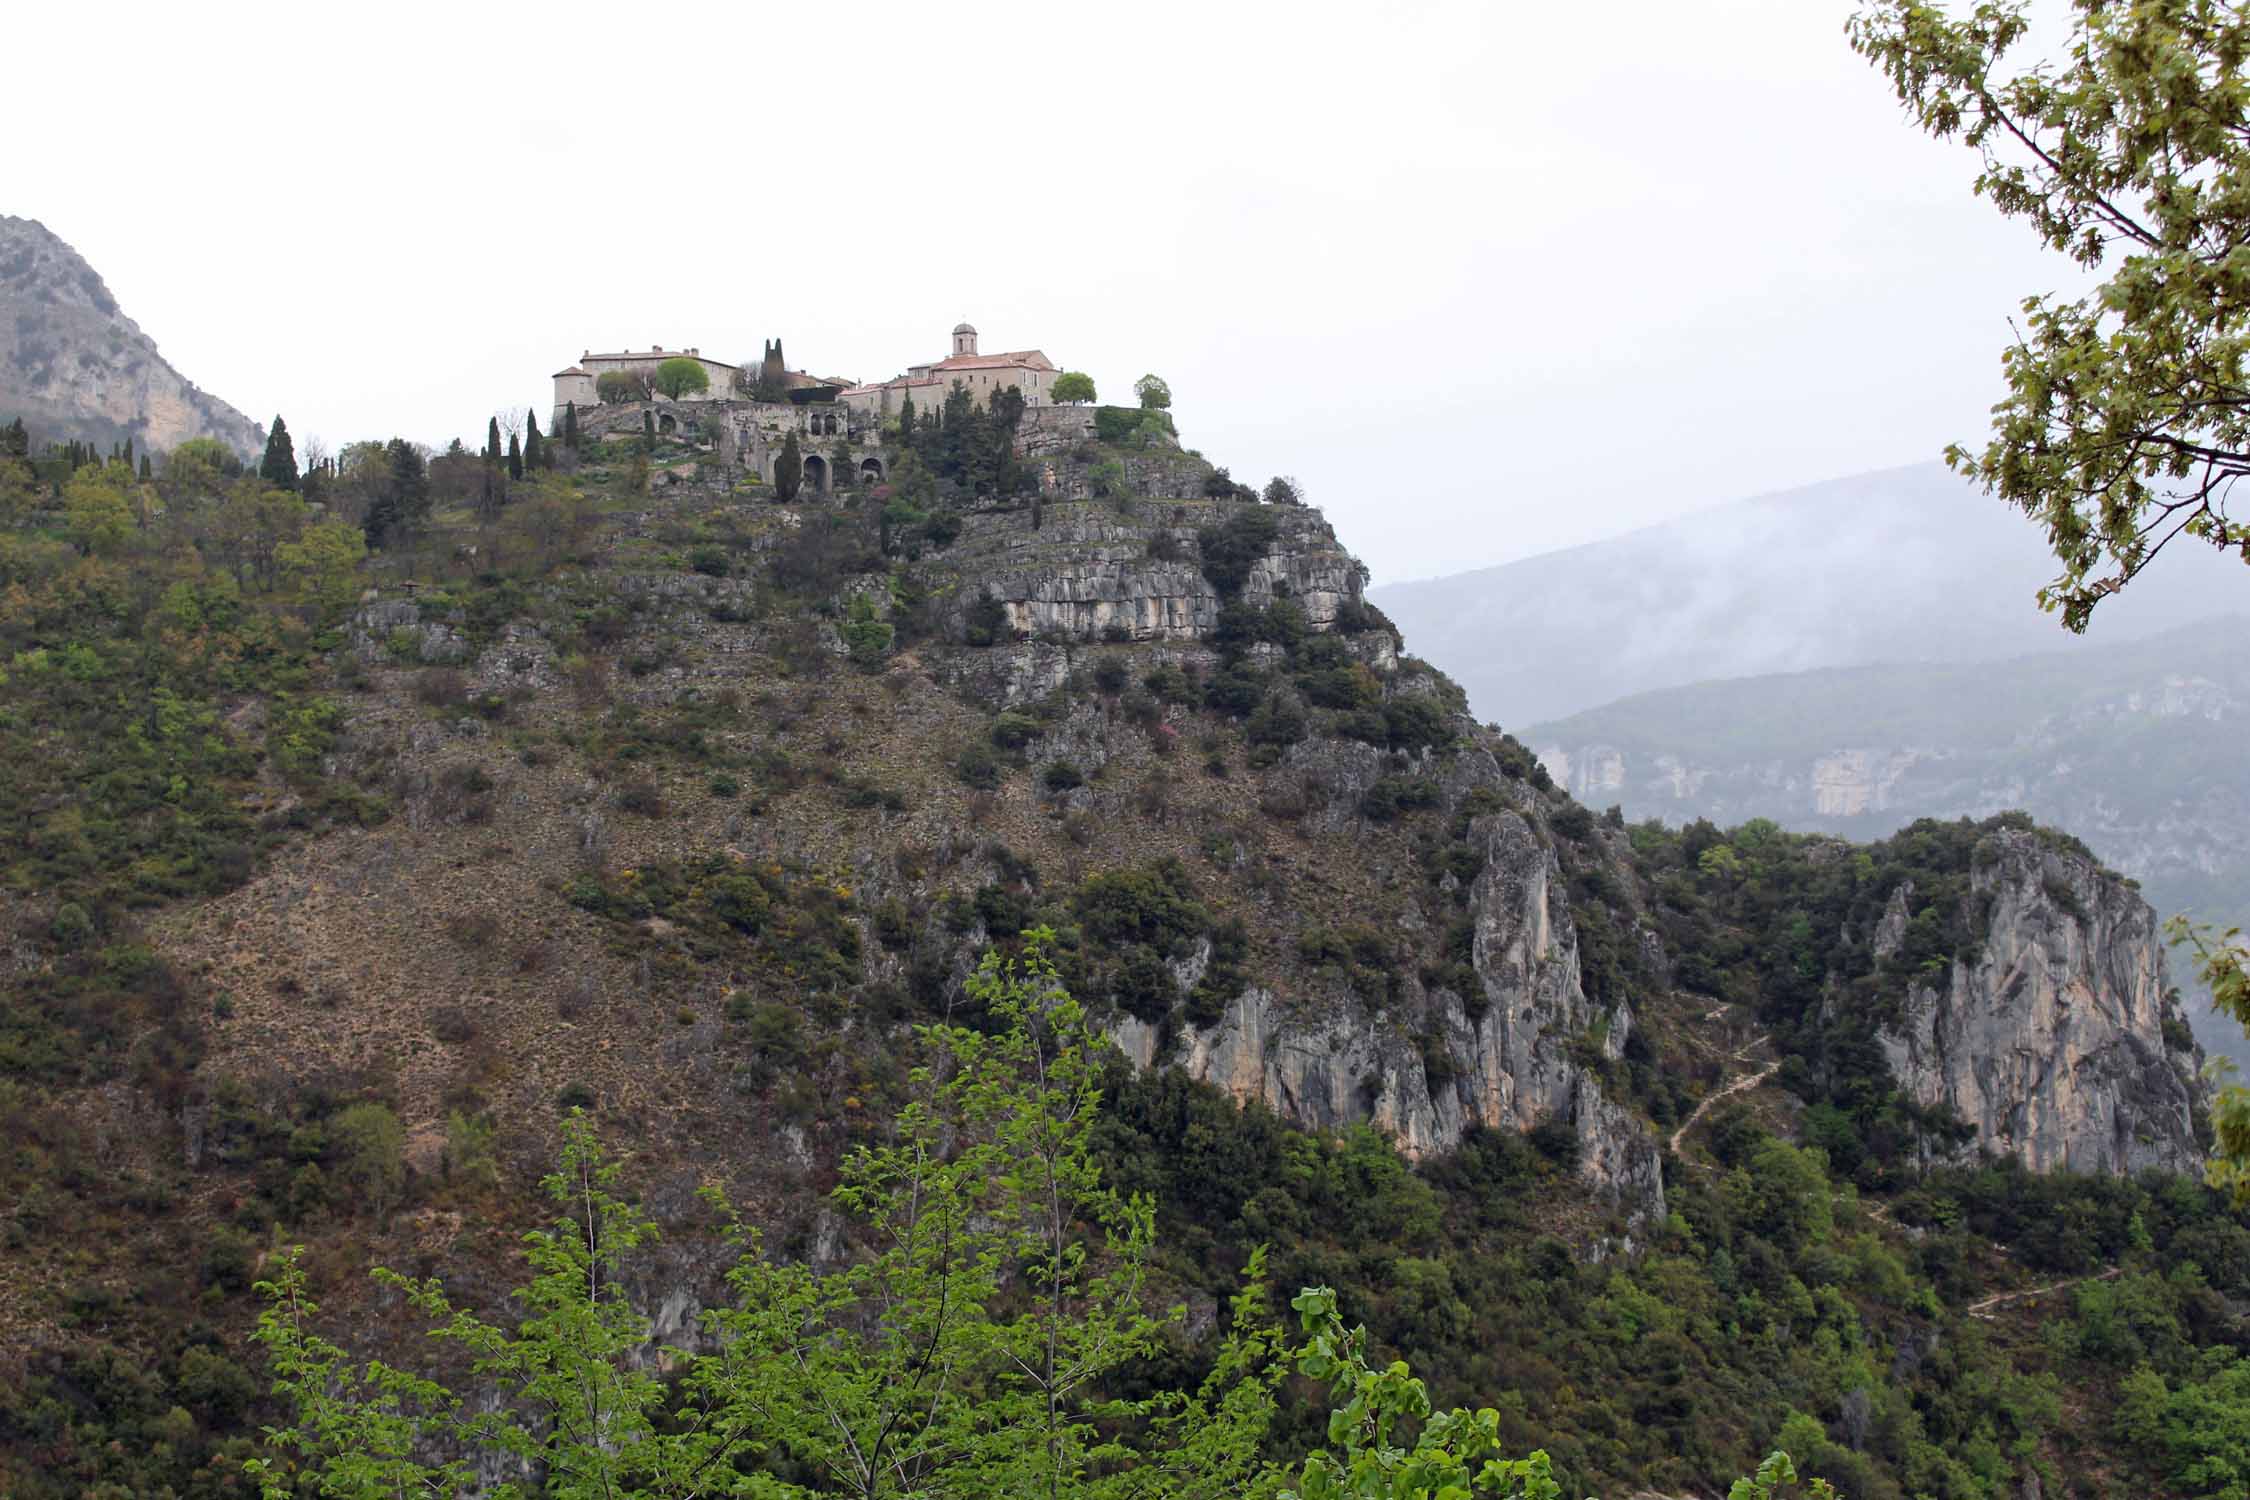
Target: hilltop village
x=746, y=415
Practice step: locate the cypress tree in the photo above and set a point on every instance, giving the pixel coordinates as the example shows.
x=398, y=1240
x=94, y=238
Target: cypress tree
x=906, y=420
x=14, y=441
x=515, y=458
x=144, y=467
x=533, y=455
x=128, y=453
x=789, y=469
x=279, y=467
x=570, y=426
x=492, y=442
x=648, y=432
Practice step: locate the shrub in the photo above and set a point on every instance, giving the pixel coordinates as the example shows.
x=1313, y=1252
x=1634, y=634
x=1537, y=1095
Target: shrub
x=1230, y=549
x=574, y=1096
x=442, y=687
x=1062, y=776
x=985, y=620
x=1013, y=731
x=978, y=768
x=712, y=562
x=641, y=796
x=1394, y=795
x=1110, y=674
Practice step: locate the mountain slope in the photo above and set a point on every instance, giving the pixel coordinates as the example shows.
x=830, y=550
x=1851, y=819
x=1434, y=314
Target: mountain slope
x=1903, y=565
x=72, y=365
x=684, y=806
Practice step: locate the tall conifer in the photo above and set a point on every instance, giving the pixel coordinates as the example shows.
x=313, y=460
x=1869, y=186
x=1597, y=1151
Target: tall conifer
x=534, y=451
x=570, y=427
x=492, y=442
x=515, y=458
x=279, y=467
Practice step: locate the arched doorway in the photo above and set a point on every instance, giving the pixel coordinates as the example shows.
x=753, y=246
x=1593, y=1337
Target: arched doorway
x=816, y=474
x=870, y=471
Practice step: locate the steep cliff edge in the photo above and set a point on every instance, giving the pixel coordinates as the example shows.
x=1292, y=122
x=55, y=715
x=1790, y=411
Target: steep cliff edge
x=2059, y=1042
x=72, y=365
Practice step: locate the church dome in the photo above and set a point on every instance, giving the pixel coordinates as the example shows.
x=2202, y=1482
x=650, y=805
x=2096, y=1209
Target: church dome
x=963, y=328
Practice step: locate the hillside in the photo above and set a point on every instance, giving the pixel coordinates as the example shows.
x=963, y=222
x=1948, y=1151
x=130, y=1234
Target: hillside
x=1904, y=565
x=2136, y=747
x=334, y=884
x=73, y=366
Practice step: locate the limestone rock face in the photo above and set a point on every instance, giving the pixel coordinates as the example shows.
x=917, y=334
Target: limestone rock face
x=2052, y=1044
x=72, y=365
x=1087, y=572
x=1331, y=1061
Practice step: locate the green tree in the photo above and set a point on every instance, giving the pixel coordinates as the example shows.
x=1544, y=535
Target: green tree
x=534, y=450
x=492, y=448
x=789, y=469
x=966, y=1350
x=1074, y=388
x=616, y=387
x=570, y=427
x=279, y=466
x=247, y=530
x=19, y=491
x=2127, y=417
x=370, y=1150
x=324, y=562
x=680, y=377
x=197, y=472
x=400, y=485
x=96, y=512
x=1154, y=394
x=515, y=457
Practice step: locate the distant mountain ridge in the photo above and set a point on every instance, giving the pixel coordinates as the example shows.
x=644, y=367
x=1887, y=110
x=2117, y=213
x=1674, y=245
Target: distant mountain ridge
x=1901, y=565
x=73, y=365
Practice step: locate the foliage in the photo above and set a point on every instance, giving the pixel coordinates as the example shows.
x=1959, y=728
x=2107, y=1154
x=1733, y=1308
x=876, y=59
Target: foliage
x=1074, y=388
x=1153, y=393
x=618, y=387
x=788, y=469
x=2127, y=417
x=681, y=376
x=278, y=466
x=2222, y=963
x=968, y=1347
x=1232, y=547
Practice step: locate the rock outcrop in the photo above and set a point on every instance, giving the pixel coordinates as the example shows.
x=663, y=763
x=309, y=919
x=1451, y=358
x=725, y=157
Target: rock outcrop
x=72, y=365
x=1505, y=1056
x=1090, y=573
x=2053, y=1043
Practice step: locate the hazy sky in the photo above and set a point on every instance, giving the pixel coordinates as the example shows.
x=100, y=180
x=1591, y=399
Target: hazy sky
x=1488, y=278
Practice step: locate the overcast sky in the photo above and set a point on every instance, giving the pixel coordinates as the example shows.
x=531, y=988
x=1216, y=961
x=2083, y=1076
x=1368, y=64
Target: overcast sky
x=1489, y=278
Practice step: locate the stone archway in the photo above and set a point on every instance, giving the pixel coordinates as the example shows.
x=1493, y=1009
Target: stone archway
x=816, y=474
x=870, y=471
x=667, y=423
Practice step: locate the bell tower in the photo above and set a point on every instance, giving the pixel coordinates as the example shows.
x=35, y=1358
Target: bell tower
x=964, y=339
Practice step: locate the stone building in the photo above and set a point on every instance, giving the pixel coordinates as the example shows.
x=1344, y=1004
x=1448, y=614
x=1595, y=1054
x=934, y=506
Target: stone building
x=982, y=375
x=577, y=384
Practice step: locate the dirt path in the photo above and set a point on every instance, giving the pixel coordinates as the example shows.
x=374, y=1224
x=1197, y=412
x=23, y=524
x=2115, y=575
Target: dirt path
x=1745, y=1082
x=1984, y=1308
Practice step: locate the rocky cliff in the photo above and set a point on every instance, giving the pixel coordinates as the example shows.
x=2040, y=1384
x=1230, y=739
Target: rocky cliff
x=72, y=365
x=2136, y=748
x=2057, y=1041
